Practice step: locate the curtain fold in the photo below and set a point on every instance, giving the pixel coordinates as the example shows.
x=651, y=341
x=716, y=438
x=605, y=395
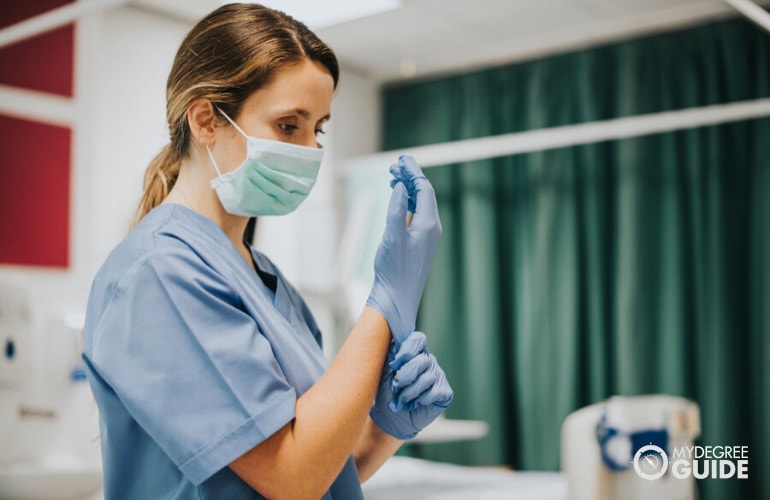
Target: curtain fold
x=626, y=267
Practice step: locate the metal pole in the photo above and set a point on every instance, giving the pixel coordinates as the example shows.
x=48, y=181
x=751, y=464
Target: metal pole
x=569, y=135
x=753, y=11
x=53, y=19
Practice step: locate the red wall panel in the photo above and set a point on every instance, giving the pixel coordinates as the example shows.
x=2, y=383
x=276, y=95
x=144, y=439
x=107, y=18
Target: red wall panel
x=34, y=193
x=44, y=62
x=35, y=157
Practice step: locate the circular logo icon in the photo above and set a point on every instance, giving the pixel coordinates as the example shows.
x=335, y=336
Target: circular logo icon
x=650, y=462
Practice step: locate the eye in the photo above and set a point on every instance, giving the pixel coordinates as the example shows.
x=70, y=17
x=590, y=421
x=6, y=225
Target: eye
x=287, y=128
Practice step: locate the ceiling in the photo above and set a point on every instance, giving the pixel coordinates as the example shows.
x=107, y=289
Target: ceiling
x=430, y=37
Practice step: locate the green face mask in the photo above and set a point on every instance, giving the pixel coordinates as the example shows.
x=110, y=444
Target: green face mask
x=274, y=178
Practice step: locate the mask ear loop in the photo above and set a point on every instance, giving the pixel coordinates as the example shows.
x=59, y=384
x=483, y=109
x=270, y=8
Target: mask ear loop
x=208, y=149
x=232, y=122
x=213, y=161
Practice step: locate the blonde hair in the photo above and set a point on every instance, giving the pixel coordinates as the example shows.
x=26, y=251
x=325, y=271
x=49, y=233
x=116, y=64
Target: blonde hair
x=226, y=57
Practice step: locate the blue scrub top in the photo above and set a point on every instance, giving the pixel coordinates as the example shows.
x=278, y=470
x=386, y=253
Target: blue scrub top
x=194, y=359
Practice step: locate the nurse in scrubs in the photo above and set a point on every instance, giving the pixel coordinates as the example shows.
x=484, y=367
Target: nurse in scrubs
x=204, y=361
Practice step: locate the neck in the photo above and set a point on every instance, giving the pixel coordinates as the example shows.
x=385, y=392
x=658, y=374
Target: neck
x=194, y=191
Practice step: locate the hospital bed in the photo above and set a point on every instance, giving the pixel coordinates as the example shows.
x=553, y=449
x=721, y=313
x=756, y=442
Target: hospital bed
x=584, y=474
x=418, y=479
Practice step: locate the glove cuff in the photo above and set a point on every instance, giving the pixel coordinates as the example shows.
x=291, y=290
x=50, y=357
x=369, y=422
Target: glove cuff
x=392, y=428
x=389, y=310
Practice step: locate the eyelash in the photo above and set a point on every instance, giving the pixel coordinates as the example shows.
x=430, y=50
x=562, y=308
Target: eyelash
x=288, y=129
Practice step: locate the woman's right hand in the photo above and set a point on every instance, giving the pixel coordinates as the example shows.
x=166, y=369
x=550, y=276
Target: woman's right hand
x=404, y=256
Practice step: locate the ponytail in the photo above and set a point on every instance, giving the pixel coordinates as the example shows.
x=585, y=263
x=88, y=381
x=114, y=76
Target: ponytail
x=159, y=178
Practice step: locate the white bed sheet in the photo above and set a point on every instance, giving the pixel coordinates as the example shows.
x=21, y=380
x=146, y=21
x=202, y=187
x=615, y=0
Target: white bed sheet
x=417, y=479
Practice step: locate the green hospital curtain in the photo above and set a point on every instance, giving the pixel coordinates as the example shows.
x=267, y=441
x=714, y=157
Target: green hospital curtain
x=620, y=268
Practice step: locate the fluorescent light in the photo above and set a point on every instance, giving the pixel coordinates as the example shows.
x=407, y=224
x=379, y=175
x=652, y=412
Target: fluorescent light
x=322, y=13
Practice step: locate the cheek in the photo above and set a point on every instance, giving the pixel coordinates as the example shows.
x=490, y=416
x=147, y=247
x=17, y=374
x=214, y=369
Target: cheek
x=230, y=153
x=265, y=131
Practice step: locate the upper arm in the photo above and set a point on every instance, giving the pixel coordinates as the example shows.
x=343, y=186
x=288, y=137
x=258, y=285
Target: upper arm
x=190, y=366
x=258, y=467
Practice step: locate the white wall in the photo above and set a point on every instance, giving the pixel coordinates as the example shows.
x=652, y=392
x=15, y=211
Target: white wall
x=122, y=58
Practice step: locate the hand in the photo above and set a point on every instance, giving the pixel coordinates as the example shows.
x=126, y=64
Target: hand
x=413, y=389
x=404, y=256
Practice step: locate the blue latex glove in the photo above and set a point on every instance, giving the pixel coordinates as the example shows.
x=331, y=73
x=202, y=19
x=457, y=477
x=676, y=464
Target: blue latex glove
x=404, y=256
x=413, y=389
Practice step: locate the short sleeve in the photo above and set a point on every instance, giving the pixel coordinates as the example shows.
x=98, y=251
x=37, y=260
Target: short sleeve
x=190, y=366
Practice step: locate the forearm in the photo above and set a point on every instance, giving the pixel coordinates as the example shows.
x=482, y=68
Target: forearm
x=333, y=413
x=372, y=450
x=302, y=459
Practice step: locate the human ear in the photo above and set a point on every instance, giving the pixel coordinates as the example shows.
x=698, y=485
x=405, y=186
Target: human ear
x=200, y=118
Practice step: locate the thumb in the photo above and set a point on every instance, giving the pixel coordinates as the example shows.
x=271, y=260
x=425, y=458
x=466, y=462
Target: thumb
x=396, y=219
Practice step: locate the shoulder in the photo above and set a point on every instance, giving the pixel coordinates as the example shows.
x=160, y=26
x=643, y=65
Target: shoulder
x=153, y=238
x=165, y=245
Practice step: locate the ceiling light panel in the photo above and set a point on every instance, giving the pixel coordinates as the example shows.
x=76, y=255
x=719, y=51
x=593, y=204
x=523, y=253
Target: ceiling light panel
x=322, y=13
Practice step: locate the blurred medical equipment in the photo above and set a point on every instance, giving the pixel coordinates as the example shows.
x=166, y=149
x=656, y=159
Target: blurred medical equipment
x=15, y=328
x=48, y=419
x=599, y=444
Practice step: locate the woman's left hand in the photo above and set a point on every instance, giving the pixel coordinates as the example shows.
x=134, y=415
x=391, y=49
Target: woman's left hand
x=413, y=389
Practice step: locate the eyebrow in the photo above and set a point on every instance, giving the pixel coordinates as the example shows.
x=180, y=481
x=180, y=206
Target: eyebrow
x=305, y=114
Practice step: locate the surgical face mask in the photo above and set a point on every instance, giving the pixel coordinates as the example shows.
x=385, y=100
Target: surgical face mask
x=274, y=178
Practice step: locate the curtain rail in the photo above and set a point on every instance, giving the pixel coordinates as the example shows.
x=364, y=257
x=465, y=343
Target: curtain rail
x=569, y=135
x=752, y=11
x=39, y=106
x=52, y=19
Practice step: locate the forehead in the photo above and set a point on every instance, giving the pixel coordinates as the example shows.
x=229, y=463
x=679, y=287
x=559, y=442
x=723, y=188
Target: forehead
x=306, y=87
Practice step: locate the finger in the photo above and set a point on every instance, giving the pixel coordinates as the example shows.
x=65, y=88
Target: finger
x=407, y=170
x=411, y=171
x=411, y=192
x=413, y=345
x=426, y=207
x=397, y=209
x=410, y=167
x=408, y=374
x=396, y=171
x=407, y=398
x=440, y=394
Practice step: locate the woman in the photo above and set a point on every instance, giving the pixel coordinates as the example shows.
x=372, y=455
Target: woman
x=205, y=363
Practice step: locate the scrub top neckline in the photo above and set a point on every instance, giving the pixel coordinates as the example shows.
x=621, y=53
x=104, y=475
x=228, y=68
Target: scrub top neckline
x=278, y=296
x=208, y=228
